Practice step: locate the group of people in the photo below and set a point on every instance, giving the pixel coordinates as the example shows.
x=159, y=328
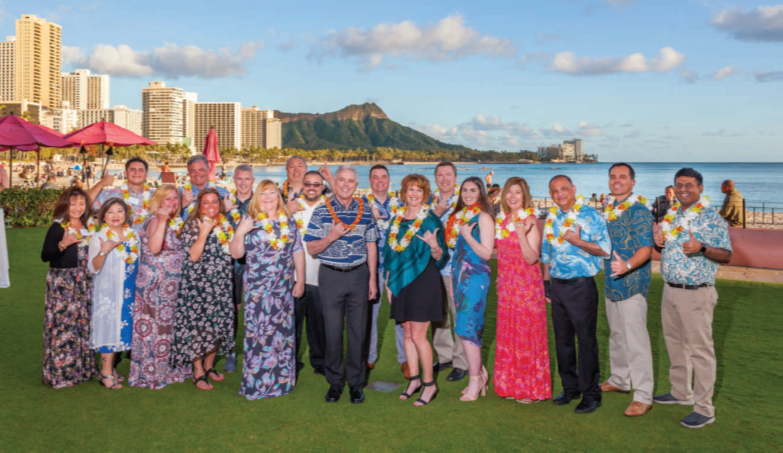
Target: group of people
x=163, y=273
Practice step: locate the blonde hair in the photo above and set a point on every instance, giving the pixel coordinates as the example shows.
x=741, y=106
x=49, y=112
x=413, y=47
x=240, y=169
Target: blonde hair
x=254, y=207
x=527, y=200
x=416, y=180
x=160, y=194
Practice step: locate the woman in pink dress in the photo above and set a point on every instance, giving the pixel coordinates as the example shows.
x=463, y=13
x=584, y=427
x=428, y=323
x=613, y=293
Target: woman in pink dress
x=521, y=352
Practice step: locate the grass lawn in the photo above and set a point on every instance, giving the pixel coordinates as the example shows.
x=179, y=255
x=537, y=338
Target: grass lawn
x=36, y=417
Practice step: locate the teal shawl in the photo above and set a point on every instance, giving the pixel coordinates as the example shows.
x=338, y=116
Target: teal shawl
x=403, y=267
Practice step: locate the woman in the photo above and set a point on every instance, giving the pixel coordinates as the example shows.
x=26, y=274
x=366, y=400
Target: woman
x=114, y=254
x=157, y=284
x=471, y=275
x=67, y=359
x=521, y=351
x=415, y=251
x=204, y=320
x=272, y=249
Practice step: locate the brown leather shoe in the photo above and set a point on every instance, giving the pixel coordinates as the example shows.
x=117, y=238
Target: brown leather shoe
x=637, y=409
x=370, y=366
x=405, y=370
x=607, y=387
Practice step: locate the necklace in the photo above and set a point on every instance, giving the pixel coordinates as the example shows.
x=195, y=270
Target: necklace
x=141, y=216
x=175, y=224
x=277, y=243
x=670, y=230
x=128, y=254
x=436, y=197
x=394, y=230
x=224, y=232
x=84, y=241
x=394, y=206
x=189, y=188
x=337, y=220
x=557, y=239
x=460, y=218
x=234, y=213
x=612, y=212
x=298, y=217
x=502, y=232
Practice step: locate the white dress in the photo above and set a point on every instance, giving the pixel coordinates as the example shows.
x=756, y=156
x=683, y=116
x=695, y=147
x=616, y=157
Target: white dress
x=5, y=281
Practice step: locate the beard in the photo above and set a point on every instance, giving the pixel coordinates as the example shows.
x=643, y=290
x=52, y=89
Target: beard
x=313, y=199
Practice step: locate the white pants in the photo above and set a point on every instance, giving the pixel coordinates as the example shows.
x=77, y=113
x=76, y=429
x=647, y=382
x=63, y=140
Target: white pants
x=630, y=354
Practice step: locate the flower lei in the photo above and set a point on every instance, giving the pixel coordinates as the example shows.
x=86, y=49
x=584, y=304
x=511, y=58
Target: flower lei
x=337, y=219
x=189, y=188
x=549, y=232
x=612, y=212
x=298, y=216
x=671, y=231
x=460, y=218
x=394, y=230
x=128, y=254
x=502, y=232
x=234, y=213
x=277, y=243
x=175, y=224
x=145, y=203
x=84, y=241
x=394, y=206
x=224, y=232
x=436, y=197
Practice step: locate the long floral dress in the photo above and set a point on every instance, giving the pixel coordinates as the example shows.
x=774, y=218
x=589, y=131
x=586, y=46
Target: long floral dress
x=521, y=350
x=153, y=313
x=470, y=281
x=269, y=365
x=204, y=316
x=67, y=358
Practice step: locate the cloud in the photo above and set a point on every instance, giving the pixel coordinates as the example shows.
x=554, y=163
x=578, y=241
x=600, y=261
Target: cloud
x=590, y=130
x=482, y=131
x=448, y=39
x=728, y=71
x=771, y=76
x=722, y=133
x=765, y=23
x=632, y=134
x=557, y=131
x=569, y=63
x=171, y=60
x=689, y=76
x=287, y=45
x=71, y=54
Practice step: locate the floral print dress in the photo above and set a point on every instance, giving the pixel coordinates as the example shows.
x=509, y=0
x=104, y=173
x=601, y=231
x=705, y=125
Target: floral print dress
x=470, y=280
x=269, y=366
x=204, y=315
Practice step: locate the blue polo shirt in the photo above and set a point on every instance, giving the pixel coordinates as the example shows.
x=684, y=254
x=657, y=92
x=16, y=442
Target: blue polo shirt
x=351, y=249
x=629, y=233
x=223, y=192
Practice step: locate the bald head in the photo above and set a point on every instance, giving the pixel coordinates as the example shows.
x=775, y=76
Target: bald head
x=727, y=186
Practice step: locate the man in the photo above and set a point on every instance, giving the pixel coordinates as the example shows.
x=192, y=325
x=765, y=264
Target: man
x=571, y=256
x=292, y=187
x=240, y=200
x=310, y=305
x=450, y=352
x=342, y=235
x=384, y=207
x=689, y=262
x=732, y=205
x=198, y=171
x=135, y=191
x=663, y=204
x=627, y=282
x=51, y=183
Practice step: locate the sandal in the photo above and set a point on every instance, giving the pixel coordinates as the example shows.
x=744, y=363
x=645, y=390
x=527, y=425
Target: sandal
x=421, y=402
x=214, y=371
x=117, y=375
x=202, y=379
x=405, y=395
x=114, y=386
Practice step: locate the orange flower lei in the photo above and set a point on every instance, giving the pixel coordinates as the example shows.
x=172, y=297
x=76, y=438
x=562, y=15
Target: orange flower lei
x=337, y=219
x=277, y=243
x=459, y=218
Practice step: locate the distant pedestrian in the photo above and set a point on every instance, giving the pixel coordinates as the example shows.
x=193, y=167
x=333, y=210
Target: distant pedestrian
x=732, y=205
x=488, y=179
x=663, y=204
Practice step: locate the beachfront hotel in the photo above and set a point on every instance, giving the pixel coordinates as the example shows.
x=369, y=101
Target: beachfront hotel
x=163, y=117
x=37, y=61
x=225, y=118
x=85, y=90
x=120, y=115
x=7, y=65
x=261, y=129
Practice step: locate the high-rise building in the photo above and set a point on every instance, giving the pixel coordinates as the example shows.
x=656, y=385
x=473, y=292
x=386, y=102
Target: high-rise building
x=35, y=109
x=189, y=121
x=63, y=119
x=120, y=115
x=37, y=61
x=85, y=90
x=7, y=65
x=577, y=144
x=225, y=118
x=162, y=113
x=261, y=129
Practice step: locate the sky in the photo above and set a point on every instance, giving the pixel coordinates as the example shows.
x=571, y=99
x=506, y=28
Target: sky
x=637, y=80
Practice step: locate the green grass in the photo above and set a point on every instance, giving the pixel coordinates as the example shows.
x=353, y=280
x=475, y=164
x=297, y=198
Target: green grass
x=36, y=417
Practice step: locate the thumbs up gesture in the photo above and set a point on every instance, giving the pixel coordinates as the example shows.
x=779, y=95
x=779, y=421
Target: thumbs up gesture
x=619, y=266
x=692, y=246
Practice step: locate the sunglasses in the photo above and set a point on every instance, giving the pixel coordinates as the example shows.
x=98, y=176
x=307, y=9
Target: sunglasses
x=313, y=184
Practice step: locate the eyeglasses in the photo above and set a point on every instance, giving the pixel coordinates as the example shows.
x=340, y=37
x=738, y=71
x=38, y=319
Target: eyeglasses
x=313, y=184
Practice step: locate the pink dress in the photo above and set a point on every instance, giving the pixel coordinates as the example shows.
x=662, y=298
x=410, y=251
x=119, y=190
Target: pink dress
x=521, y=352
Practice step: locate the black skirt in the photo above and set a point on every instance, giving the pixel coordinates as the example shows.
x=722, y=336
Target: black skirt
x=423, y=300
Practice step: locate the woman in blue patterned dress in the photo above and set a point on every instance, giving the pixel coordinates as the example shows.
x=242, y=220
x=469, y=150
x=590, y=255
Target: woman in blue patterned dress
x=113, y=258
x=471, y=276
x=273, y=250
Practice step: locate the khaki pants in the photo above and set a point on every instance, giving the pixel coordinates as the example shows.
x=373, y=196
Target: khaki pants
x=686, y=316
x=442, y=338
x=630, y=353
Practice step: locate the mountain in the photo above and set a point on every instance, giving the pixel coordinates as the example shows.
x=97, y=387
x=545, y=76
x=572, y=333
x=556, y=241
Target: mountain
x=356, y=126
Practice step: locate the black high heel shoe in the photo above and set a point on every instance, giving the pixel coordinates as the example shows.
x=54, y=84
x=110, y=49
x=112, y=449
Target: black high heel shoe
x=405, y=395
x=421, y=402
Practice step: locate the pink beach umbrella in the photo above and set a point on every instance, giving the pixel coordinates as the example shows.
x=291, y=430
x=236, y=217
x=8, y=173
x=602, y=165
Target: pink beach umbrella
x=17, y=133
x=212, y=153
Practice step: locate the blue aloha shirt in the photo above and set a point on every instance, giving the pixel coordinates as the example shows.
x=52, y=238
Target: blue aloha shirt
x=351, y=249
x=385, y=210
x=223, y=192
x=446, y=269
x=710, y=229
x=629, y=233
x=569, y=261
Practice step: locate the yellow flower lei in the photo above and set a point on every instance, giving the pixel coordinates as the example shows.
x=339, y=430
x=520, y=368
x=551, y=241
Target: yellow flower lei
x=128, y=254
x=557, y=239
x=612, y=212
x=436, y=197
x=502, y=232
x=84, y=241
x=298, y=216
x=394, y=229
x=462, y=217
x=224, y=232
x=277, y=243
x=142, y=215
x=670, y=231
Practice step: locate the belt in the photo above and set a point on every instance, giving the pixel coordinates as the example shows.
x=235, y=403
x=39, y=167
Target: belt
x=691, y=287
x=569, y=281
x=342, y=269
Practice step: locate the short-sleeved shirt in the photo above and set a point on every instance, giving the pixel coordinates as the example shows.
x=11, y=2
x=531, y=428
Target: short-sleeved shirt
x=629, y=233
x=710, y=229
x=241, y=207
x=383, y=227
x=351, y=249
x=569, y=261
x=446, y=269
x=210, y=185
x=311, y=264
x=135, y=201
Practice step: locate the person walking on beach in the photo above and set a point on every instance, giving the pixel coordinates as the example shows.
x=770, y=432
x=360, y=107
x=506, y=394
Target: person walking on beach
x=732, y=204
x=695, y=241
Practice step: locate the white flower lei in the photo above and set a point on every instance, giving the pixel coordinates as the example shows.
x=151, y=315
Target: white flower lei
x=224, y=232
x=549, y=232
x=394, y=229
x=300, y=214
x=146, y=194
x=189, y=188
x=175, y=224
x=394, y=206
x=128, y=254
x=510, y=227
x=456, y=195
x=612, y=212
x=683, y=221
x=84, y=241
x=266, y=225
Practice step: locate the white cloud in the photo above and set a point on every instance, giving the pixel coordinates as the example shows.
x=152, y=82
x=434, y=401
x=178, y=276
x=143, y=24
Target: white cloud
x=448, y=39
x=171, y=60
x=728, y=71
x=689, y=76
x=287, y=45
x=71, y=54
x=765, y=23
x=771, y=76
x=587, y=129
x=567, y=62
x=485, y=132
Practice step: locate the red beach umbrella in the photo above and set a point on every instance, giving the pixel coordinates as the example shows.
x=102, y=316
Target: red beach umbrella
x=211, y=152
x=105, y=133
x=17, y=133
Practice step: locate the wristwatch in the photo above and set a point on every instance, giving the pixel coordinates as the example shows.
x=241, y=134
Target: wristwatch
x=703, y=249
x=101, y=254
x=628, y=265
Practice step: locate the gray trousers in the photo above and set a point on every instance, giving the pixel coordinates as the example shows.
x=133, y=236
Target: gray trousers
x=344, y=298
x=630, y=353
x=399, y=332
x=442, y=338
